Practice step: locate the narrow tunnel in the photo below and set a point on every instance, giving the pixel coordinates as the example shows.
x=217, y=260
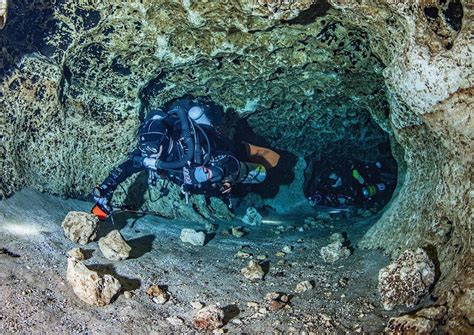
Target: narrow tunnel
x=366, y=105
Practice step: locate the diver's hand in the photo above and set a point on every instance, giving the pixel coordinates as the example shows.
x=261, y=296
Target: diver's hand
x=102, y=196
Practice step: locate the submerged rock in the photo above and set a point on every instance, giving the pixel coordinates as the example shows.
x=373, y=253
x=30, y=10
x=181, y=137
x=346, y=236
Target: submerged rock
x=77, y=254
x=334, y=251
x=158, y=294
x=253, y=271
x=252, y=217
x=407, y=280
x=209, y=318
x=237, y=232
x=114, y=247
x=276, y=300
x=80, y=227
x=89, y=286
x=303, y=286
x=424, y=321
x=193, y=237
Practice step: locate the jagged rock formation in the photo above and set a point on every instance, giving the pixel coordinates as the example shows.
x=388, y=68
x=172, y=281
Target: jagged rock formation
x=78, y=76
x=80, y=227
x=89, y=286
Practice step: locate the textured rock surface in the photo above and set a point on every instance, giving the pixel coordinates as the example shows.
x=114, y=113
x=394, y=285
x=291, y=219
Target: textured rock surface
x=407, y=280
x=422, y=322
x=89, y=286
x=252, y=217
x=80, y=227
x=303, y=286
x=209, y=318
x=334, y=251
x=77, y=77
x=158, y=294
x=114, y=247
x=253, y=271
x=193, y=237
x=77, y=254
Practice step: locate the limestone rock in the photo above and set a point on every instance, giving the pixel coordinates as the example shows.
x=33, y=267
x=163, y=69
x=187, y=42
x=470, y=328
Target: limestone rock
x=237, y=232
x=303, y=286
x=252, y=217
x=287, y=249
x=276, y=300
x=158, y=294
x=253, y=271
x=114, y=247
x=243, y=254
x=334, y=251
x=422, y=322
x=337, y=237
x=407, y=280
x=77, y=254
x=80, y=227
x=209, y=318
x=89, y=286
x=193, y=237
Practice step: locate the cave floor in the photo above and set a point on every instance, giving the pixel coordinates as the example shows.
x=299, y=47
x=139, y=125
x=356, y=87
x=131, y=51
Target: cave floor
x=36, y=298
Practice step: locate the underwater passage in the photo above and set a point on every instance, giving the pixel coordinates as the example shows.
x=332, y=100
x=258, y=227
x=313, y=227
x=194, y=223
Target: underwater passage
x=236, y=166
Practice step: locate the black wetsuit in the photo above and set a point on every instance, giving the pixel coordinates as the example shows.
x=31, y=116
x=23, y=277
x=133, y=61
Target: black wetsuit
x=216, y=150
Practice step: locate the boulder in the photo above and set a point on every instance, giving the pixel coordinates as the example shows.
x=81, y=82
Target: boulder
x=407, y=280
x=253, y=271
x=209, y=318
x=114, y=247
x=80, y=227
x=193, y=237
x=334, y=251
x=252, y=217
x=424, y=321
x=89, y=286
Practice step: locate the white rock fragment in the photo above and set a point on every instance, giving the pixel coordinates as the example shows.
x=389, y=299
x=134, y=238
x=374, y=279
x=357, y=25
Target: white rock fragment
x=193, y=237
x=303, y=286
x=252, y=217
x=253, y=271
x=175, y=321
x=209, y=318
x=89, y=286
x=80, y=227
x=77, y=254
x=287, y=249
x=237, y=232
x=337, y=237
x=114, y=247
x=334, y=251
x=158, y=294
x=407, y=280
x=197, y=304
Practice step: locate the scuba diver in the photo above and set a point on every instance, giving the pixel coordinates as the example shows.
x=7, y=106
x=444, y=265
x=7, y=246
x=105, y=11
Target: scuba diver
x=353, y=183
x=181, y=146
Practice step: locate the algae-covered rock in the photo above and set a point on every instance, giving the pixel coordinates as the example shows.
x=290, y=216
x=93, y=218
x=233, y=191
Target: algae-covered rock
x=80, y=227
x=209, y=318
x=407, y=280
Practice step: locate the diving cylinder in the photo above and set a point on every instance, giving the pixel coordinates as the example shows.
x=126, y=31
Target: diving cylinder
x=197, y=114
x=251, y=173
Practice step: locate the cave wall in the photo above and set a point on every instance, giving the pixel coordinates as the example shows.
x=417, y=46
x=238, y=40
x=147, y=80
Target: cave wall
x=77, y=77
x=430, y=79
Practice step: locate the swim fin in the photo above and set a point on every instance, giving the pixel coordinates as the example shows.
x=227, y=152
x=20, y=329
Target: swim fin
x=266, y=157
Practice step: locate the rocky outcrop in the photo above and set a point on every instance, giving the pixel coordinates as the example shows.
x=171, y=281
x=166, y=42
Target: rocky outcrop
x=114, y=247
x=209, y=318
x=80, y=227
x=89, y=286
x=407, y=280
x=193, y=237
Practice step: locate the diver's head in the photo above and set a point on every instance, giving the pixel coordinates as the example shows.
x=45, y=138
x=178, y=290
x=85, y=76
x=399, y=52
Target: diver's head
x=153, y=138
